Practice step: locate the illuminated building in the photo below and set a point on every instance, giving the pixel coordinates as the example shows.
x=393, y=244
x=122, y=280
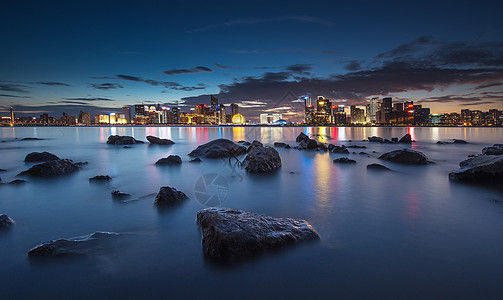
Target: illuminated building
x=357, y=115
x=338, y=115
x=213, y=103
x=234, y=109
x=126, y=110
x=269, y=118
x=238, y=119
x=11, y=116
x=384, y=113
x=323, y=105
x=372, y=109
x=84, y=118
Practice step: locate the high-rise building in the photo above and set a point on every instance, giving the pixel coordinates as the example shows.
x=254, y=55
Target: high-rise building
x=234, y=109
x=84, y=118
x=214, y=103
x=385, y=111
x=323, y=105
x=269, y=118
x=357, y=115
x=372, y=109
x=175, y=115
x=11, y=116
x=140, y=110
x=126, y=110
x=338, y=115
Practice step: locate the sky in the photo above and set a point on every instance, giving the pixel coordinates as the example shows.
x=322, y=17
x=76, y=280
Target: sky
x=98, y=56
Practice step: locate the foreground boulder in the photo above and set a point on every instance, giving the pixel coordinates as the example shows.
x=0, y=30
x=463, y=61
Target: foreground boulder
x=496, y=149
x=376, y=139
x=340, y=149
x=308, y=144
x=157, y=141
x=302, y=136
x=100, y=178
x=122, y=140
x=406, y=139
x=40, y=157
x=52, y=168
x=77, y=246
x=344, y=160
x=280, y=145
x=262, y=160
x=377, y=167
x=484, y=168
x=218, y=148
x=405, y=156
x=230, y=233
x=255, y=143
x=5, y=221
x=169, y=196
x=169, y=161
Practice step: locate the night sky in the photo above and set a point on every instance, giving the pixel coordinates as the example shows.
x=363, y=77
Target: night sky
x=100, y=56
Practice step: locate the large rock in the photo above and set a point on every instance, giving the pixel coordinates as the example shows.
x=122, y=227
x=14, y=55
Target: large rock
x=376, y=139
x=344, y=160
x=255, y=143
x=40, y=157
x=157, y=141
x=280, y=144
x=340, y=149
x=169, y=161
x=262, y=160
x=52, y=168
x=100, y=178
x=406, y=139
x=308, y=144
x=377, y=167
x=496, y=149
x=484, y=168
x=122, y=140
x=218, y=148
x=5, y=221
x=405, y=156
x=302, y=136
x=169, y=196
x=230, y=233
x=77, y=246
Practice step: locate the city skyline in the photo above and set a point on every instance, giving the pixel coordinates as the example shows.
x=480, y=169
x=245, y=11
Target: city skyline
x=57, y=60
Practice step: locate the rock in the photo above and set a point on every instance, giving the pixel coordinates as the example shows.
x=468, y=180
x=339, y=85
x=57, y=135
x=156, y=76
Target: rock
x=218, y=148
x=118, y=194
x=394, y=140
x=484, y=168
x=355, y=146
x=122, y=140
x=301, y=137
x=308, y=144
x=262, y=160
x=3, y=170
x=40, y=157
x=31, y=139
x=126, y=147
x=101, y=178
x=81, y=164
x=157, y=141
x=230, y=233
x=17, y=182
x=376, y=139
x=280, y=145
x=169, y=161
x=340, y=149
x=378, y=167
x=363, y=153
x=442, y=143
x=78, y=246
x=169, y=196
x=52, y=168
x=5, y=221
x=255, y=143
x=344, y=160
x=288, y=147
x=246, y=144
x=197, y=159
x=459, y=142
x=406, y=139
x=322, y=147
x=405, y=156
x=496, y=149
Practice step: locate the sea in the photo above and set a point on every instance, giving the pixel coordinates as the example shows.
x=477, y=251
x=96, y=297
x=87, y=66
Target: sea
x=405, y=234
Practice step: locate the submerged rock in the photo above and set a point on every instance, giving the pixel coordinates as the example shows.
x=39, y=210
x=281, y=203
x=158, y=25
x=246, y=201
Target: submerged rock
x=31, y=139
x=122, y=140
x=5, y=221
x=355, y=146
x=230, y=233
x=40, y=157
x=394, y=140
x=218, y=148
x=119, y=195
x=377, y=167
x=17, y=182
x=280, y=145
x=340, y=149
x=344, y=160
x=405, y=156
x=496, y=149
x=170, y=161
x=309, y=144
x=101, y=178
x=406, y=139
x=194, y=160
x=301, y=137
x=459, y=141
x=262, y=160
x=169, y=196
x=484, y=168
x=52, y=168
x=376, y=139
x=77, y=246
x=157, y=141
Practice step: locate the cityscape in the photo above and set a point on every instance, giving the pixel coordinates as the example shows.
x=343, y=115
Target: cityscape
x=317, y=112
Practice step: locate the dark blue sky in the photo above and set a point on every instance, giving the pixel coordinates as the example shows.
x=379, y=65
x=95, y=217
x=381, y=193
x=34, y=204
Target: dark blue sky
x=97, y=56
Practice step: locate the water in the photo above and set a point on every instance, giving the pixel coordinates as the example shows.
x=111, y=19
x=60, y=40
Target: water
x=405, y=234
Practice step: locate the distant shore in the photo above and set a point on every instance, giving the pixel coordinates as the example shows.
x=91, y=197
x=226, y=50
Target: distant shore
x=248, y=125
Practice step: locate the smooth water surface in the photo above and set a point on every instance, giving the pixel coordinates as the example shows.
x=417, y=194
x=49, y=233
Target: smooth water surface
x=409, y=233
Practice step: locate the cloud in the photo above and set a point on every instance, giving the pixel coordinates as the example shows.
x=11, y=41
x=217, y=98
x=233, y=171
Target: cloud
x=483, y=86
x=301, y=69
x=167, y=84
x=13, y=96
x=89, y=99
x=353, y=65
x=243, y=68
x=106, y=86
x=285, y=50
x=52, y=83
x=10, y=87
x=58, y=109
x=187, y=71
x=253, y=21
x=408, y=48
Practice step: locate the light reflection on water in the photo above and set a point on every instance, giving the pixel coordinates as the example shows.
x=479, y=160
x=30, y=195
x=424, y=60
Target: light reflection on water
x=389, y=232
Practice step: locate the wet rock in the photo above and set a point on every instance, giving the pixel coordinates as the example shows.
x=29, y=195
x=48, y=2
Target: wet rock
x=40, y=157
x=363, y=153
x=122, y=140
x=52, y=168
x=169, y=196
x=17, y=182
x=230, y=233
x=169, y=161
x=157, y=141
x=355, y=146
x=405, y=156
x=262, y=160
x=301, y=137
x=31, y=139
x=246, y=144
x=5, y=221
x=100, y=178
x=218, y=148
x=344, y=160
x=496, y=149
x=77, y=246
x=484, y=168
x=340, y=150
x=255, y=143
x=195, y=160
x=459, y=142
x=308, y=144
x=81, y=164
x=376, y=139
x=126, y=147
x=406, y=139
x=120, y=195
x=288, y=147
x=280, y=145
x=378, y=167
x=3, y=170
x=394, y=140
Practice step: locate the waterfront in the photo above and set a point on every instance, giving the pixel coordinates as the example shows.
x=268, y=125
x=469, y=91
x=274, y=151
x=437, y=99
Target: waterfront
x=408, y=234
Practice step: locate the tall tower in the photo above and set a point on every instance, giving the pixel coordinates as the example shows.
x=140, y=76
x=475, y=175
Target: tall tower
x=11, y=116
x=214, y=103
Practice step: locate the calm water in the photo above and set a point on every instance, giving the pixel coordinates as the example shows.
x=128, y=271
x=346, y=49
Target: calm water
x=404, y=234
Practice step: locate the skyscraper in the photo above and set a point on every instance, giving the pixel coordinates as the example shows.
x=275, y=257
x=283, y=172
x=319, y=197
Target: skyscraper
x=234, y=109
x=11, y=116
x=323, y=105
x=214, y=103
x=372, y=109
x=126, y=110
